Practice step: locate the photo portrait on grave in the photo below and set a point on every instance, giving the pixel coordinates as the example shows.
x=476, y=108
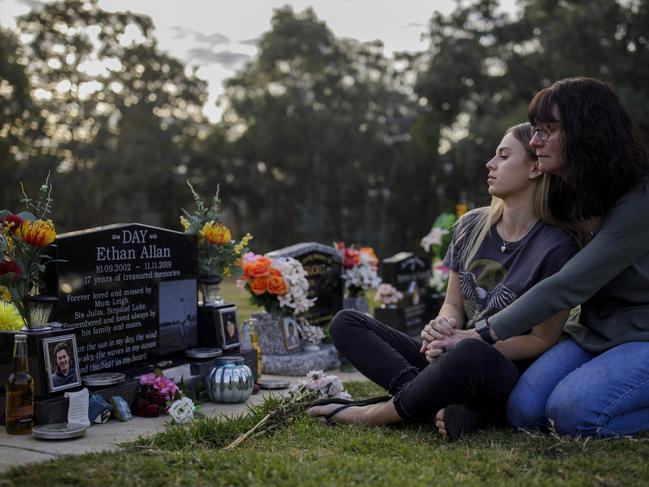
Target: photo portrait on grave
x=61, y=362
x=228, y=328
x=290, y=332
x=497, y=253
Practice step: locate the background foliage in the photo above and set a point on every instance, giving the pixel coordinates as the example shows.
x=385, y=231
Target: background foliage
x=322, y=138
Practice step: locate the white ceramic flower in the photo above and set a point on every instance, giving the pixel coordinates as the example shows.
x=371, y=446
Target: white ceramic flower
x=182, y=410
x=434, y=237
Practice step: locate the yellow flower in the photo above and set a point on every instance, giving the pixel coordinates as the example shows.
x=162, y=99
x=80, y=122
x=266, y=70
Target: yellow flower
x=241, y=245
x=216, y=233
x=184, y=222
x=226, y=272
x=10, y=319
x=8, y=239
x=38, y=233
x=4, y=294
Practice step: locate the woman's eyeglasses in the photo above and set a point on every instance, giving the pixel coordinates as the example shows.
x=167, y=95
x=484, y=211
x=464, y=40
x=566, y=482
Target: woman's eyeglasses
x=544, y=130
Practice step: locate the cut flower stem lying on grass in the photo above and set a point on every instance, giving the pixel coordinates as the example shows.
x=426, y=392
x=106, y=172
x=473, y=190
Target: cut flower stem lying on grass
x=288, y=410
x=316, y=385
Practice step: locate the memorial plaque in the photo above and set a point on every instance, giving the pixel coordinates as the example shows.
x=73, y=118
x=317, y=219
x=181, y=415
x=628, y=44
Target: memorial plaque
x=127, y=291
x=324, y=270
x=410, y=274
x=406, y=271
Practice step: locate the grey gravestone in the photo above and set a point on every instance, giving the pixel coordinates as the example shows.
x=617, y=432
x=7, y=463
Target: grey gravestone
x=324, y=269
x=128, y=292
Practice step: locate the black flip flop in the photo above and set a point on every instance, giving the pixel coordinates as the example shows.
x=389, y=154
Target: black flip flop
x=346, y=403
x=350, y=402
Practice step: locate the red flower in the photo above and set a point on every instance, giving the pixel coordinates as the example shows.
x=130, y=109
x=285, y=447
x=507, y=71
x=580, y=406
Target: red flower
x=351, y=258
x=9, y=266
x=12, y=222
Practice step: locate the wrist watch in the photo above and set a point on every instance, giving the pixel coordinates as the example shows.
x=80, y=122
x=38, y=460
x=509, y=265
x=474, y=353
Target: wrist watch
x=484, y=330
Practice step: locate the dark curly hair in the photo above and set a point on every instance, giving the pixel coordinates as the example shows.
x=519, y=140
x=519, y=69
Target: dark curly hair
x=602, y=158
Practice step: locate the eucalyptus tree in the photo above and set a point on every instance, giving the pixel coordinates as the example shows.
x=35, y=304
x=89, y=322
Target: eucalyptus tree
x=315, y=124
x=117, y=112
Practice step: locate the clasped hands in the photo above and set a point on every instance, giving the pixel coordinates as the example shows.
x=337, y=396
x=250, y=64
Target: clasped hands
x=441, y=334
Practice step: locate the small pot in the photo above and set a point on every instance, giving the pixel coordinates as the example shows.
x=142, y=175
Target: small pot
x=230, y=381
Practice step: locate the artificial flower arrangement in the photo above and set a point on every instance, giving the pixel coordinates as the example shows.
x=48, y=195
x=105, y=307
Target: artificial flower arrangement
x=316, y=385
x=359, y=269
x=387, y=295
x=439, y=279
x=218, y=253
x=158, y=395
x=23, y=240
x=309, y=333
x=279, y=285
x=436, y=243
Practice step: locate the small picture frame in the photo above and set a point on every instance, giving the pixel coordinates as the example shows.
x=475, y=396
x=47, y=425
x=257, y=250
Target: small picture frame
x=289, y=330
x=228, y=328
x=61, y=362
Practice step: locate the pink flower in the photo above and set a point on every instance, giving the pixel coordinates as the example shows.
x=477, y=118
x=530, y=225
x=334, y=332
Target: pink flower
x=148, y=379
x=248, y=257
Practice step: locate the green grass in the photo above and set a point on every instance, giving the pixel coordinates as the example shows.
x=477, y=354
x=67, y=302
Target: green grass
x=308, y=453
x=231, y=294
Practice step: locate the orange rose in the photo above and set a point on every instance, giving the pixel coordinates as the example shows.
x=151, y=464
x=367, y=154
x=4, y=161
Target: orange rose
x=275, y=272
x=259, y=285
x=260, y=267
x=370, y=251
x=276, y=285
x=247, y=268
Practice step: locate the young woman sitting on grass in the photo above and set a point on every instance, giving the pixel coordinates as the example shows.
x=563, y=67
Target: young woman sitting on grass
x=498, y=252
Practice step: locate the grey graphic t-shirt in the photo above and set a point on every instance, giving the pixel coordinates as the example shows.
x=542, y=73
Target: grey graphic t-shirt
x=494, y=279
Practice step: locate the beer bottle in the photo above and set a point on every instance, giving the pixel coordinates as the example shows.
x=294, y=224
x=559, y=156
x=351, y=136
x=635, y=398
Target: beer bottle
x=20, y=391
x=255, y=345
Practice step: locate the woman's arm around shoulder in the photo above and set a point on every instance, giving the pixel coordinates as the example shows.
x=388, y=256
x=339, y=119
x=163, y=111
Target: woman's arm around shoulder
x=620, y=241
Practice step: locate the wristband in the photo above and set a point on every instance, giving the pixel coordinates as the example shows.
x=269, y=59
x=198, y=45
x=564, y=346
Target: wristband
x=484, y=330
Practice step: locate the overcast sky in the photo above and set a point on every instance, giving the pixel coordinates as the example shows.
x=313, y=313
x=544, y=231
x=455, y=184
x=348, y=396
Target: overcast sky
x=219, y=36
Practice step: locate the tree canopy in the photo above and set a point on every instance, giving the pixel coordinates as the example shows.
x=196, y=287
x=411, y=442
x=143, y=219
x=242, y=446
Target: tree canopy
x=322, y=138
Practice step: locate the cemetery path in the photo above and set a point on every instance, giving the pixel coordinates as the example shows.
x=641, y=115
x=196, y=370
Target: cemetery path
x=20, y=450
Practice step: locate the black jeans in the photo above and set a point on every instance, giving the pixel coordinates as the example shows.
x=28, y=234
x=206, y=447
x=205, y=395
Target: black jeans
x=473, y=373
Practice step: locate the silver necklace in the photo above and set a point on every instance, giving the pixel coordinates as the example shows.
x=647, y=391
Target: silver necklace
x=503, y=247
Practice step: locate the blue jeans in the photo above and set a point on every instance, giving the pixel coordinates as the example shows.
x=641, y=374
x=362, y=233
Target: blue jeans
x=583, y=393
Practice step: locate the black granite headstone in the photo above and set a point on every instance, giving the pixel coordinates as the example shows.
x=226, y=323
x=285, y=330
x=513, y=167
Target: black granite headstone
x=128, y=291
x=405, y=271
x=324, y=269
x=410, y=274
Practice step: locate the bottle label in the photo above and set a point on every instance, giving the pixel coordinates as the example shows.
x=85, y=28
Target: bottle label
x=20, y=408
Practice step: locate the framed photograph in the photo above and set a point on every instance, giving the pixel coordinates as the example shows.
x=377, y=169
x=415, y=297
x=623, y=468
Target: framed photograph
x=289, y=330
x=61, y=362
x=228, y=327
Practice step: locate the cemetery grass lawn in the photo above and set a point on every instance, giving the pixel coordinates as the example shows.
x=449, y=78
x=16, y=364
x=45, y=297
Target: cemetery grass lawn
x=308, y=453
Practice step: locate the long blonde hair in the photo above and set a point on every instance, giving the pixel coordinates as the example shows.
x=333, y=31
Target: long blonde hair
x=479, y=221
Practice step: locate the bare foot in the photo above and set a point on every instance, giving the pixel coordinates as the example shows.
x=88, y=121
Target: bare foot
x=439, y=422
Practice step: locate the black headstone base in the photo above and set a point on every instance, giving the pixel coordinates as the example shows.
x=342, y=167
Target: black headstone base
x=193, y=374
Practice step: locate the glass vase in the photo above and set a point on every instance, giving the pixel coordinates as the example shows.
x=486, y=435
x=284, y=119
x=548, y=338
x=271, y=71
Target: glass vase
x=39, y=308
x=209, y=287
